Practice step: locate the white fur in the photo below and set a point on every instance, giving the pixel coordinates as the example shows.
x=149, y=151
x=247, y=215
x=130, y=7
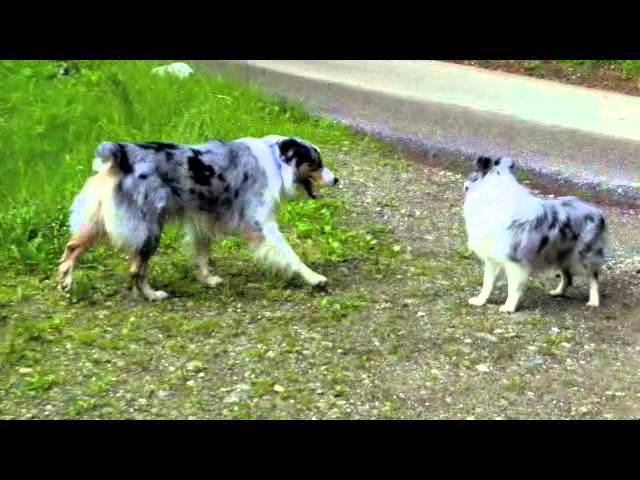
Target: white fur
x=494, y=203
x=123, y=221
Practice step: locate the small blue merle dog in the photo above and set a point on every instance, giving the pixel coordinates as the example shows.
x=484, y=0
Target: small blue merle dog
x=216, y=188
x=510, y=229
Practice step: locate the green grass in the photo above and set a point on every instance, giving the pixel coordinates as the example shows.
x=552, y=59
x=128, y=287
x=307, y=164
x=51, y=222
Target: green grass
x=76, y=351
x=50, y=127
x=630, y=68
x=391, y=337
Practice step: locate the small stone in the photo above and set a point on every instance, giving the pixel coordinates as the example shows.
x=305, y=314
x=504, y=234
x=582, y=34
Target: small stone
x=536, y=361
x=191, y=383
x=486, y=336
x=481, y=367
x=421, y=314
x=278, y=388
x=195, y=366
x=166, y=394
x=25, y=371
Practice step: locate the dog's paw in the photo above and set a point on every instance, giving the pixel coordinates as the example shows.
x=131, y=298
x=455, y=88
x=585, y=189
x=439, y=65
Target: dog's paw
x=556, y=293
x=317, y=280
x=507, y=309
x=155, y=295
x=211, y=280
x=65, y=285
x=594, y=304
x=66, y=280
x=151, y=295
x=477, y=301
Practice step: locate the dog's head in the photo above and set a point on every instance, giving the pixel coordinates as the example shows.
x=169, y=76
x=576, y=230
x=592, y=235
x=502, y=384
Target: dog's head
x=306, y=161
x=486, y=167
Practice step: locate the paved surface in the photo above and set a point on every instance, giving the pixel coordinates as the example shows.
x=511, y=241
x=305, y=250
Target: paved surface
x=566, y=134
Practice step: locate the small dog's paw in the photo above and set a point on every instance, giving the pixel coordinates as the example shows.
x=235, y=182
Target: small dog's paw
x=507, y=309
x=477, y=301
x=212, y=280
x=157, y=295
x=556, y=293
x=595, y=304
x=151, y=295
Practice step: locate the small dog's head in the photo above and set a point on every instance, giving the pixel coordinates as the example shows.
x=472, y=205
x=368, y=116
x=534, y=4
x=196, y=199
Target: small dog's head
x=486, y=167
x=307, y=165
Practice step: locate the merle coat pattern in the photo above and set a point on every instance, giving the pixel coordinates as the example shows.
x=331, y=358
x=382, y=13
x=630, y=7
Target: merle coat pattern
x=509, y=228
x=214, y=188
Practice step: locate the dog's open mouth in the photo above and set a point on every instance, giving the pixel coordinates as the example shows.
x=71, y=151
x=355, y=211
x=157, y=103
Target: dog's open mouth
x=307, y=184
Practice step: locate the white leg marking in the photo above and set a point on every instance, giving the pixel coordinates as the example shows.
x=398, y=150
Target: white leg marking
x=201, y=260
x=275, y=251
x=491, y=270
x=594, y=293
x=562, y=287
x=517, y=276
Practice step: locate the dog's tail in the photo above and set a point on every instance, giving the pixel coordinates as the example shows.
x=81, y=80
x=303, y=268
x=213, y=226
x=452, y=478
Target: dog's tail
x=111, y=153
x=86, y=210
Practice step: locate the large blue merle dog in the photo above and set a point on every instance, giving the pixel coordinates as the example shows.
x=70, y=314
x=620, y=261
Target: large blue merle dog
x=511, y=229
x=216, y=188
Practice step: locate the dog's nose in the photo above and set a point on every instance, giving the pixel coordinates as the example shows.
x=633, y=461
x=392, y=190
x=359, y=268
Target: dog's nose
x=335, y=180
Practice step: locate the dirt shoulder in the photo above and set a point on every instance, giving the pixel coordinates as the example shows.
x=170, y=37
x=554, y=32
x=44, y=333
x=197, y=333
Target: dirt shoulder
x=603, y=77
x=393, y=337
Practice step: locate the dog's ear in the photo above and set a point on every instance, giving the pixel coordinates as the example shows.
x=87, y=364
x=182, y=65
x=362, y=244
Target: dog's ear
x=483, y=164
x=288, y=149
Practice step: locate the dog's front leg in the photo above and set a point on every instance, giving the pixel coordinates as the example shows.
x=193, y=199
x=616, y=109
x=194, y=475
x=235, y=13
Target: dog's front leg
x=517, y=276
x=594, y=290
x=201, y=261
x=140, y=283
x=272, y=248
x=491, y=270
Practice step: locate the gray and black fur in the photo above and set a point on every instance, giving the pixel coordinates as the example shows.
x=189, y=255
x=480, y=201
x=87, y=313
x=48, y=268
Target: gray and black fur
x=510, y=228
x=216, y=187
x=567, y=234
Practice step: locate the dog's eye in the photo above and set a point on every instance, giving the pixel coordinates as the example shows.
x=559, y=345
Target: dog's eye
x=497, y=162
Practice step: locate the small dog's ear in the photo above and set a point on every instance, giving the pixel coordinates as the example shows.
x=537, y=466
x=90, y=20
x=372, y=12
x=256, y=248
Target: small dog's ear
x=483, y=164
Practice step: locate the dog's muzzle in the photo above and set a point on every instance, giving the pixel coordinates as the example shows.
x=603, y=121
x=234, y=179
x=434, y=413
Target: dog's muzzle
x=328, y=178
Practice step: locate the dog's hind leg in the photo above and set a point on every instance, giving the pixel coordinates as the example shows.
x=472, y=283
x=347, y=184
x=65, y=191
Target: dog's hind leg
x=491, y=270
x=517, y=276
x=272, y=248
x=201, y=261
x=565, y=282
x=77, y=245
